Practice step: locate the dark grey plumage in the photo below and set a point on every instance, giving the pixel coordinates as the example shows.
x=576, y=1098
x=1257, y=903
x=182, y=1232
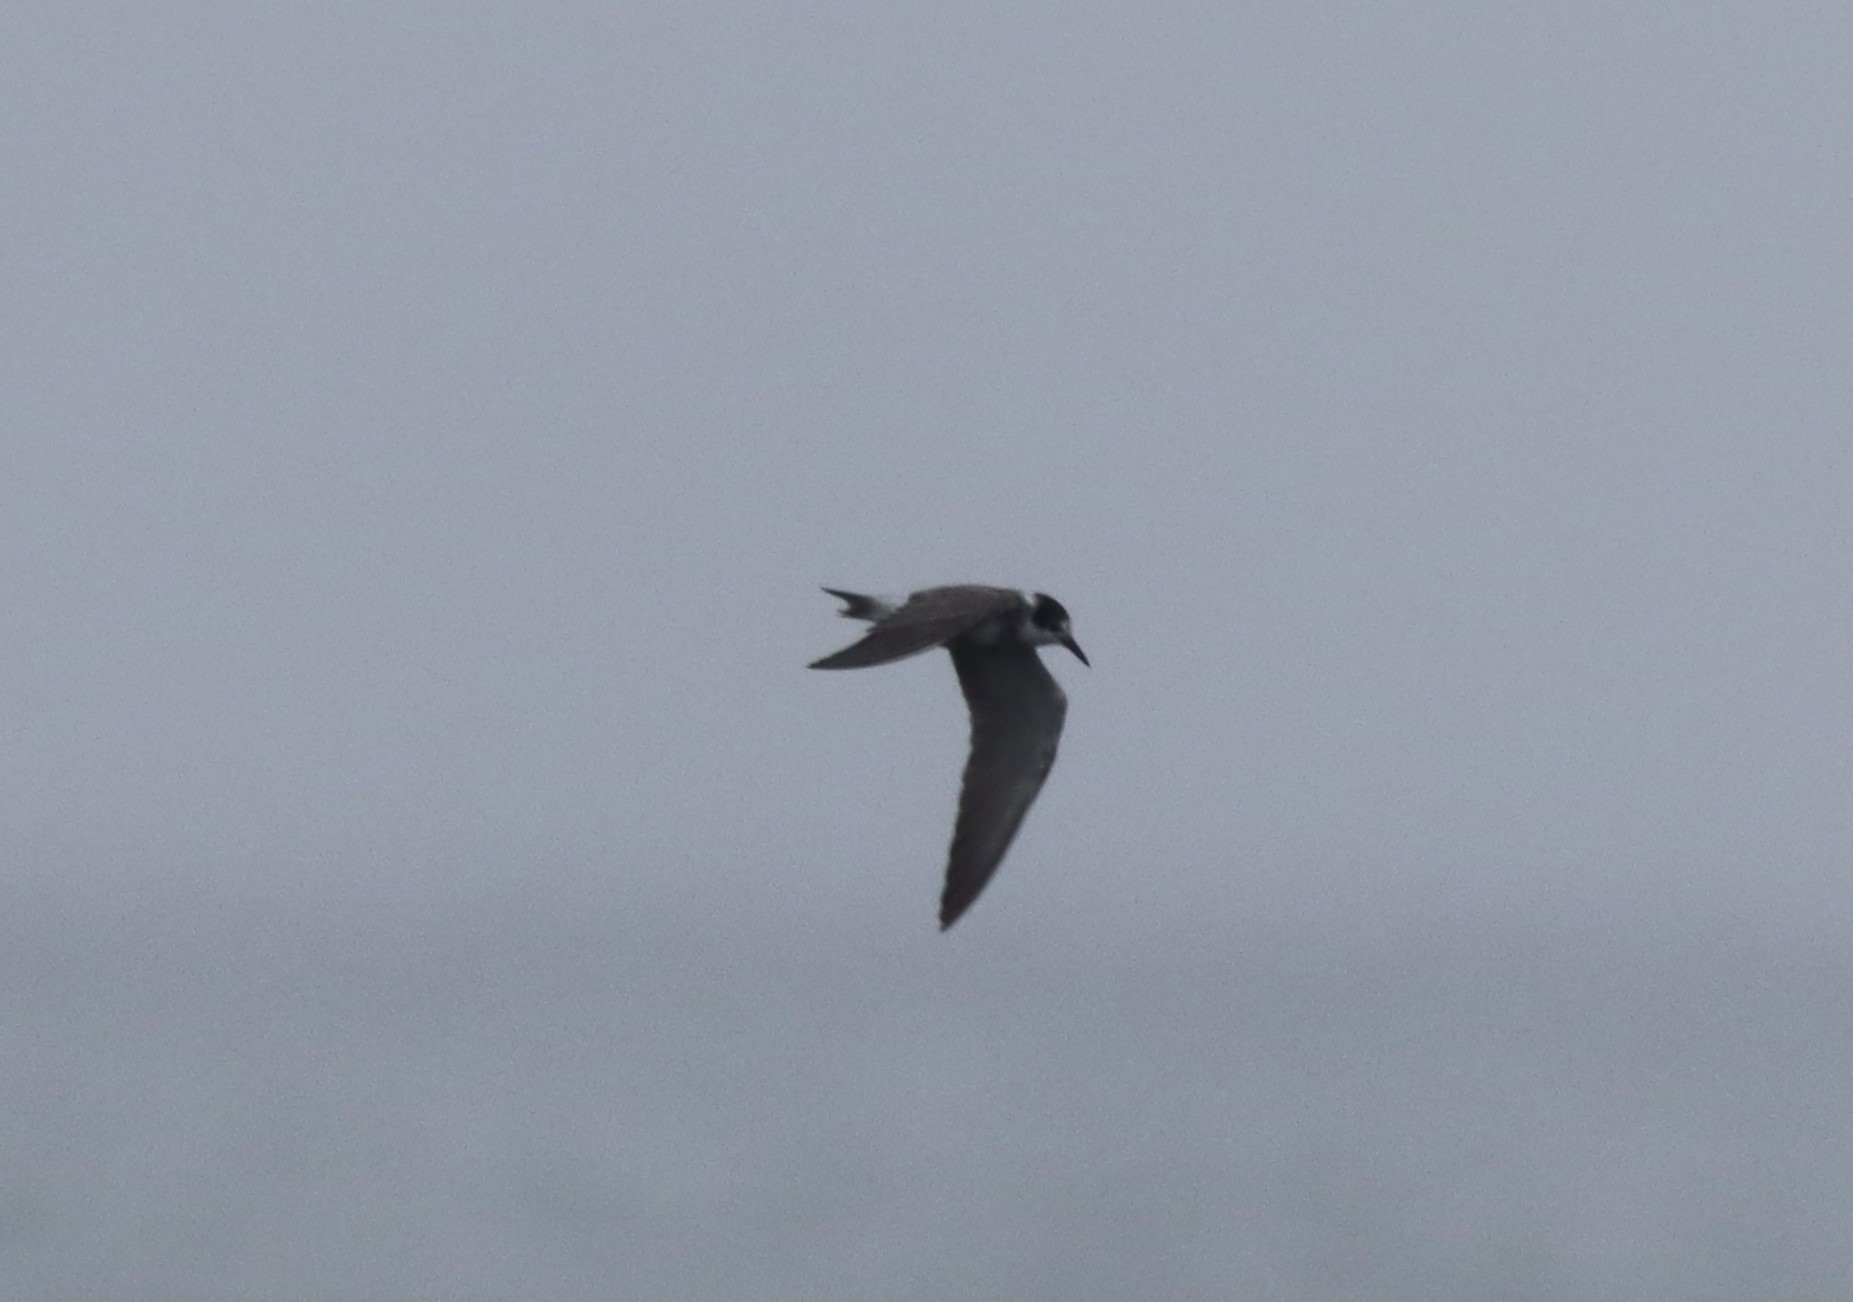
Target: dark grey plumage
x=1017, y=708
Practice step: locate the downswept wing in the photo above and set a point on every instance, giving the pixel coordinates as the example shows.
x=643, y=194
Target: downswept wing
x=926, y=620
x=1017, y=713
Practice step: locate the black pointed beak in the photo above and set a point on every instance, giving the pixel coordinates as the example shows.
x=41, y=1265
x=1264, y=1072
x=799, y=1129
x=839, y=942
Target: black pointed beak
x=1075, y=647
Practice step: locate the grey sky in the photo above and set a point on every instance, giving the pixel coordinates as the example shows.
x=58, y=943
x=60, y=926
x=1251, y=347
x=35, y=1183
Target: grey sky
x=432, y=873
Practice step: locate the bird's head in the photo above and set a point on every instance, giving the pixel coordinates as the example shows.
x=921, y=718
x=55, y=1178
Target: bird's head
x=1050, y=619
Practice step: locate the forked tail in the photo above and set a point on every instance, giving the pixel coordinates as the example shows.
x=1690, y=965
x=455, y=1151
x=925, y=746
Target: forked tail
x=857, y=606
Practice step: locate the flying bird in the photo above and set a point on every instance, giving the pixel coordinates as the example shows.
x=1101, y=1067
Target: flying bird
x=1016, y=707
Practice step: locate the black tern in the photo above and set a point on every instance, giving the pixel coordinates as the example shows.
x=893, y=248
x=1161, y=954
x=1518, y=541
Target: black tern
x=1017, y=708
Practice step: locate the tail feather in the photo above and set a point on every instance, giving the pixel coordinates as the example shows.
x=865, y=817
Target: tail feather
x=857, y=606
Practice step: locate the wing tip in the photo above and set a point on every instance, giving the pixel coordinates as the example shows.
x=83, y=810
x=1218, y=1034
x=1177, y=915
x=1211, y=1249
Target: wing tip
x=952, y=907
x=838, y=659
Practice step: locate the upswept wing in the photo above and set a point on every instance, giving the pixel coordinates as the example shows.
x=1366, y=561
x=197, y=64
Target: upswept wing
x=925, y=620
x=1017, y=712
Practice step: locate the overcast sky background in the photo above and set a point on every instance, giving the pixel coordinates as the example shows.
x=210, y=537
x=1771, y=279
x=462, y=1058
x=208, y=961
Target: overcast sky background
x=430, y=872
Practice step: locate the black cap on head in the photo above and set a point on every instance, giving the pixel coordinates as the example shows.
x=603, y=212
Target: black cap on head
x=1048, y=612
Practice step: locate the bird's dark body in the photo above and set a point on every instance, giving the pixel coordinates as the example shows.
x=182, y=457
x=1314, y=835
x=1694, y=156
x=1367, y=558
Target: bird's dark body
x=927, y=619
